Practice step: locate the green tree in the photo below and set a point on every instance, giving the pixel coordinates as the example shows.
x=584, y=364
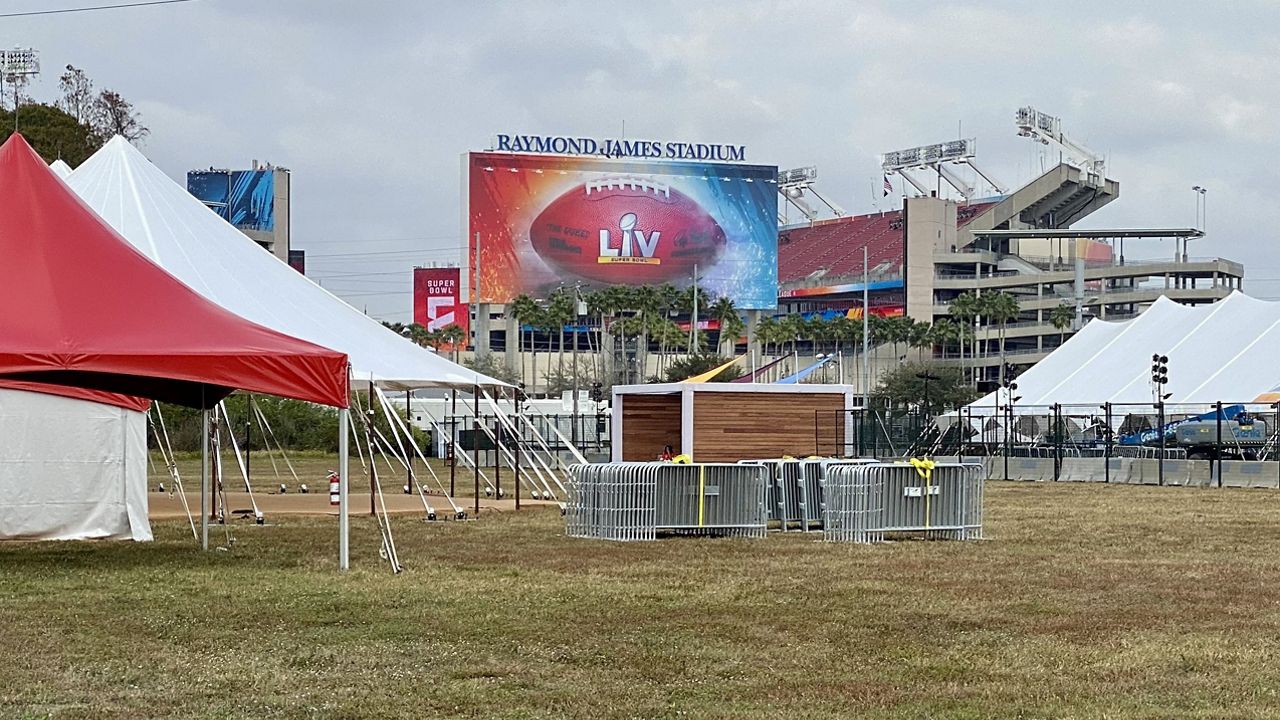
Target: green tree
x=1061, y=318
x=965, y=309
x=1000, y=307
x=944, y=332
x=560, y=311
x=113, y=115
x=697, y=364
x=904, y=386
x=731, y=326
x=525, y=310
x=491, y=366
x=768, y=332
x=53, y=133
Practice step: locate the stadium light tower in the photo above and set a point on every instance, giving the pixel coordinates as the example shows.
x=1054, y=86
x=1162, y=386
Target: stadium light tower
x=937, y=157
x=17, y=67
x=794, y=183
x=1047, y=130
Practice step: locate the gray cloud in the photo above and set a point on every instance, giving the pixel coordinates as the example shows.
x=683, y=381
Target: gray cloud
x=372, y=103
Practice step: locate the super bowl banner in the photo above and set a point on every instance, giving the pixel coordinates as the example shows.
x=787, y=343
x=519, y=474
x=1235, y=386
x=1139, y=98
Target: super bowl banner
x=546, y=221
x=436, y=298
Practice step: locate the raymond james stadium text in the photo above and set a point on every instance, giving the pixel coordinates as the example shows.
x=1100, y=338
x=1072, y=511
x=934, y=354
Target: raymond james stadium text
x=612, y=148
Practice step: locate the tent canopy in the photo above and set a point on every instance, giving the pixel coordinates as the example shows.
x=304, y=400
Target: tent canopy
x=87, y=310
x=1219, y=352
x=167, y=224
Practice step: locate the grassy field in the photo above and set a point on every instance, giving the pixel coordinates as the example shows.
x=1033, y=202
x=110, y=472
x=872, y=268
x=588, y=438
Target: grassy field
x=1086, y=601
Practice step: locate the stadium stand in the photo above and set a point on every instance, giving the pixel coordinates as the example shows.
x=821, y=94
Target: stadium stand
x=834, y=247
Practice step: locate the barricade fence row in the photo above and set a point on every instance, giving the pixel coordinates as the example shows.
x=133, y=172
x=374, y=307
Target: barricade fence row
x=1221, y=443
x=849, y=500
x=868, y=503
x=636, y=501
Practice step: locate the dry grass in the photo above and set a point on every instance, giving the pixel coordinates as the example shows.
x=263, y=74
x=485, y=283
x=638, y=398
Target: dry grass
x=1087, y=601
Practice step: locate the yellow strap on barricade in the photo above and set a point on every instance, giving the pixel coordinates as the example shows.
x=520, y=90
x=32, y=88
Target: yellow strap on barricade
x=924, y=468
x=702, y=492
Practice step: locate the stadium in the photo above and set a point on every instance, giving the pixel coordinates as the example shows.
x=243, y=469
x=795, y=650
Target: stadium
x=939, y=240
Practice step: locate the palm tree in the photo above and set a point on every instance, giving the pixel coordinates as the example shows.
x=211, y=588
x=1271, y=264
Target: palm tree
x=562, y=310
x=1000, y=307
x=920, y=335
x=454, y=336
x=1061, y=318
x=767, y=333
x=965, y=308
x=945, y=331
x=524, y=309
x=724, y=311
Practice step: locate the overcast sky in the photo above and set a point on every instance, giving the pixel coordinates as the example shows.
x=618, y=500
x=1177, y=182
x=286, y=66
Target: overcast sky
x=370, y=104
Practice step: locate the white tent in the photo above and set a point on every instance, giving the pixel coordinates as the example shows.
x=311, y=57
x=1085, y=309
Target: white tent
x=60, y=168
x=71, y=469
x=162, y=220
x=1225, y=352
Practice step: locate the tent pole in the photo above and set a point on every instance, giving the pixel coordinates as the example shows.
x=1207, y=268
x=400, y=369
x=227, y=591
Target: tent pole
x=408, y=419
x=453, y=445
x=344, y=421
x=204, y=480
x=475, y=445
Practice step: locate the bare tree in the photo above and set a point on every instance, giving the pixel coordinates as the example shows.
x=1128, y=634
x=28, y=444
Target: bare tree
x=77, y=94
x=113, y=115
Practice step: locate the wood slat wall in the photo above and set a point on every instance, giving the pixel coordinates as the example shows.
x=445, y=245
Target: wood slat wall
x=728, y=427
x=649, y=422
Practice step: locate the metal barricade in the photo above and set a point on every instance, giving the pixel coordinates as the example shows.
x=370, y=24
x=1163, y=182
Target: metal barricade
x=795, y=489
x=636, y=501
x=937, y=500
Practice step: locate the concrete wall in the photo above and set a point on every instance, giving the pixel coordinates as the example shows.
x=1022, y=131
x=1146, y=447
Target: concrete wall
x=1135, y=471
x=930, y=227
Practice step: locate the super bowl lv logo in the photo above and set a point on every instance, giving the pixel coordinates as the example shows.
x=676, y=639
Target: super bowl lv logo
x=657, y=232
x=633, y=245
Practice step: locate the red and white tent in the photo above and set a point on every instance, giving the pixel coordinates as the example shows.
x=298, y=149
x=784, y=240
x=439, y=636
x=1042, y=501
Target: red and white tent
x=84, y=309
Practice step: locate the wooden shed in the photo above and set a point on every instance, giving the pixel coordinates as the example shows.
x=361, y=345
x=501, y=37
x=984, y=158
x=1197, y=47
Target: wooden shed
x=727, y=422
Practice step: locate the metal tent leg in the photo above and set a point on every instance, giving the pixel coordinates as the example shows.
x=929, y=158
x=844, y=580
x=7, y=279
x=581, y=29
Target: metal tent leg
x=204, y=479
x=344, y=484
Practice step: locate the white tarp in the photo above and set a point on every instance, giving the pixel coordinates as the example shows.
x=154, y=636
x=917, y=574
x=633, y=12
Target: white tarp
x=71, y=469
x=60, y=168
x=1225, y=351
x=162, y=220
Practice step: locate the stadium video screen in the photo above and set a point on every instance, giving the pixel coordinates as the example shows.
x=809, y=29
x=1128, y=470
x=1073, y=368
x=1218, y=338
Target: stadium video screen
x=546, y=221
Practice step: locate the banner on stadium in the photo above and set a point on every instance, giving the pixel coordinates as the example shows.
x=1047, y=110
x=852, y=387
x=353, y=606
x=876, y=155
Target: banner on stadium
x=437, y=299
x=549, y=221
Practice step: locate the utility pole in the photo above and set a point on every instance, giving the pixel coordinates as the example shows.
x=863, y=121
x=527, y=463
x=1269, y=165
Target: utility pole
x=693, y=324
x=478, y=326
x=866, y=331
x=579, y=312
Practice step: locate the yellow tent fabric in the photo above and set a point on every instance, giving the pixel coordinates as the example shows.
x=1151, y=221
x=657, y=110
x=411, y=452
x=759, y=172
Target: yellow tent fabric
x=710, y=373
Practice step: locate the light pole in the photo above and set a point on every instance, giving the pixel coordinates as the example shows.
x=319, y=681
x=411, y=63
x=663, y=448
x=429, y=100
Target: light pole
x=1010, y=387
x=579, y=311
x=1201, y=209
x=926, y=376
